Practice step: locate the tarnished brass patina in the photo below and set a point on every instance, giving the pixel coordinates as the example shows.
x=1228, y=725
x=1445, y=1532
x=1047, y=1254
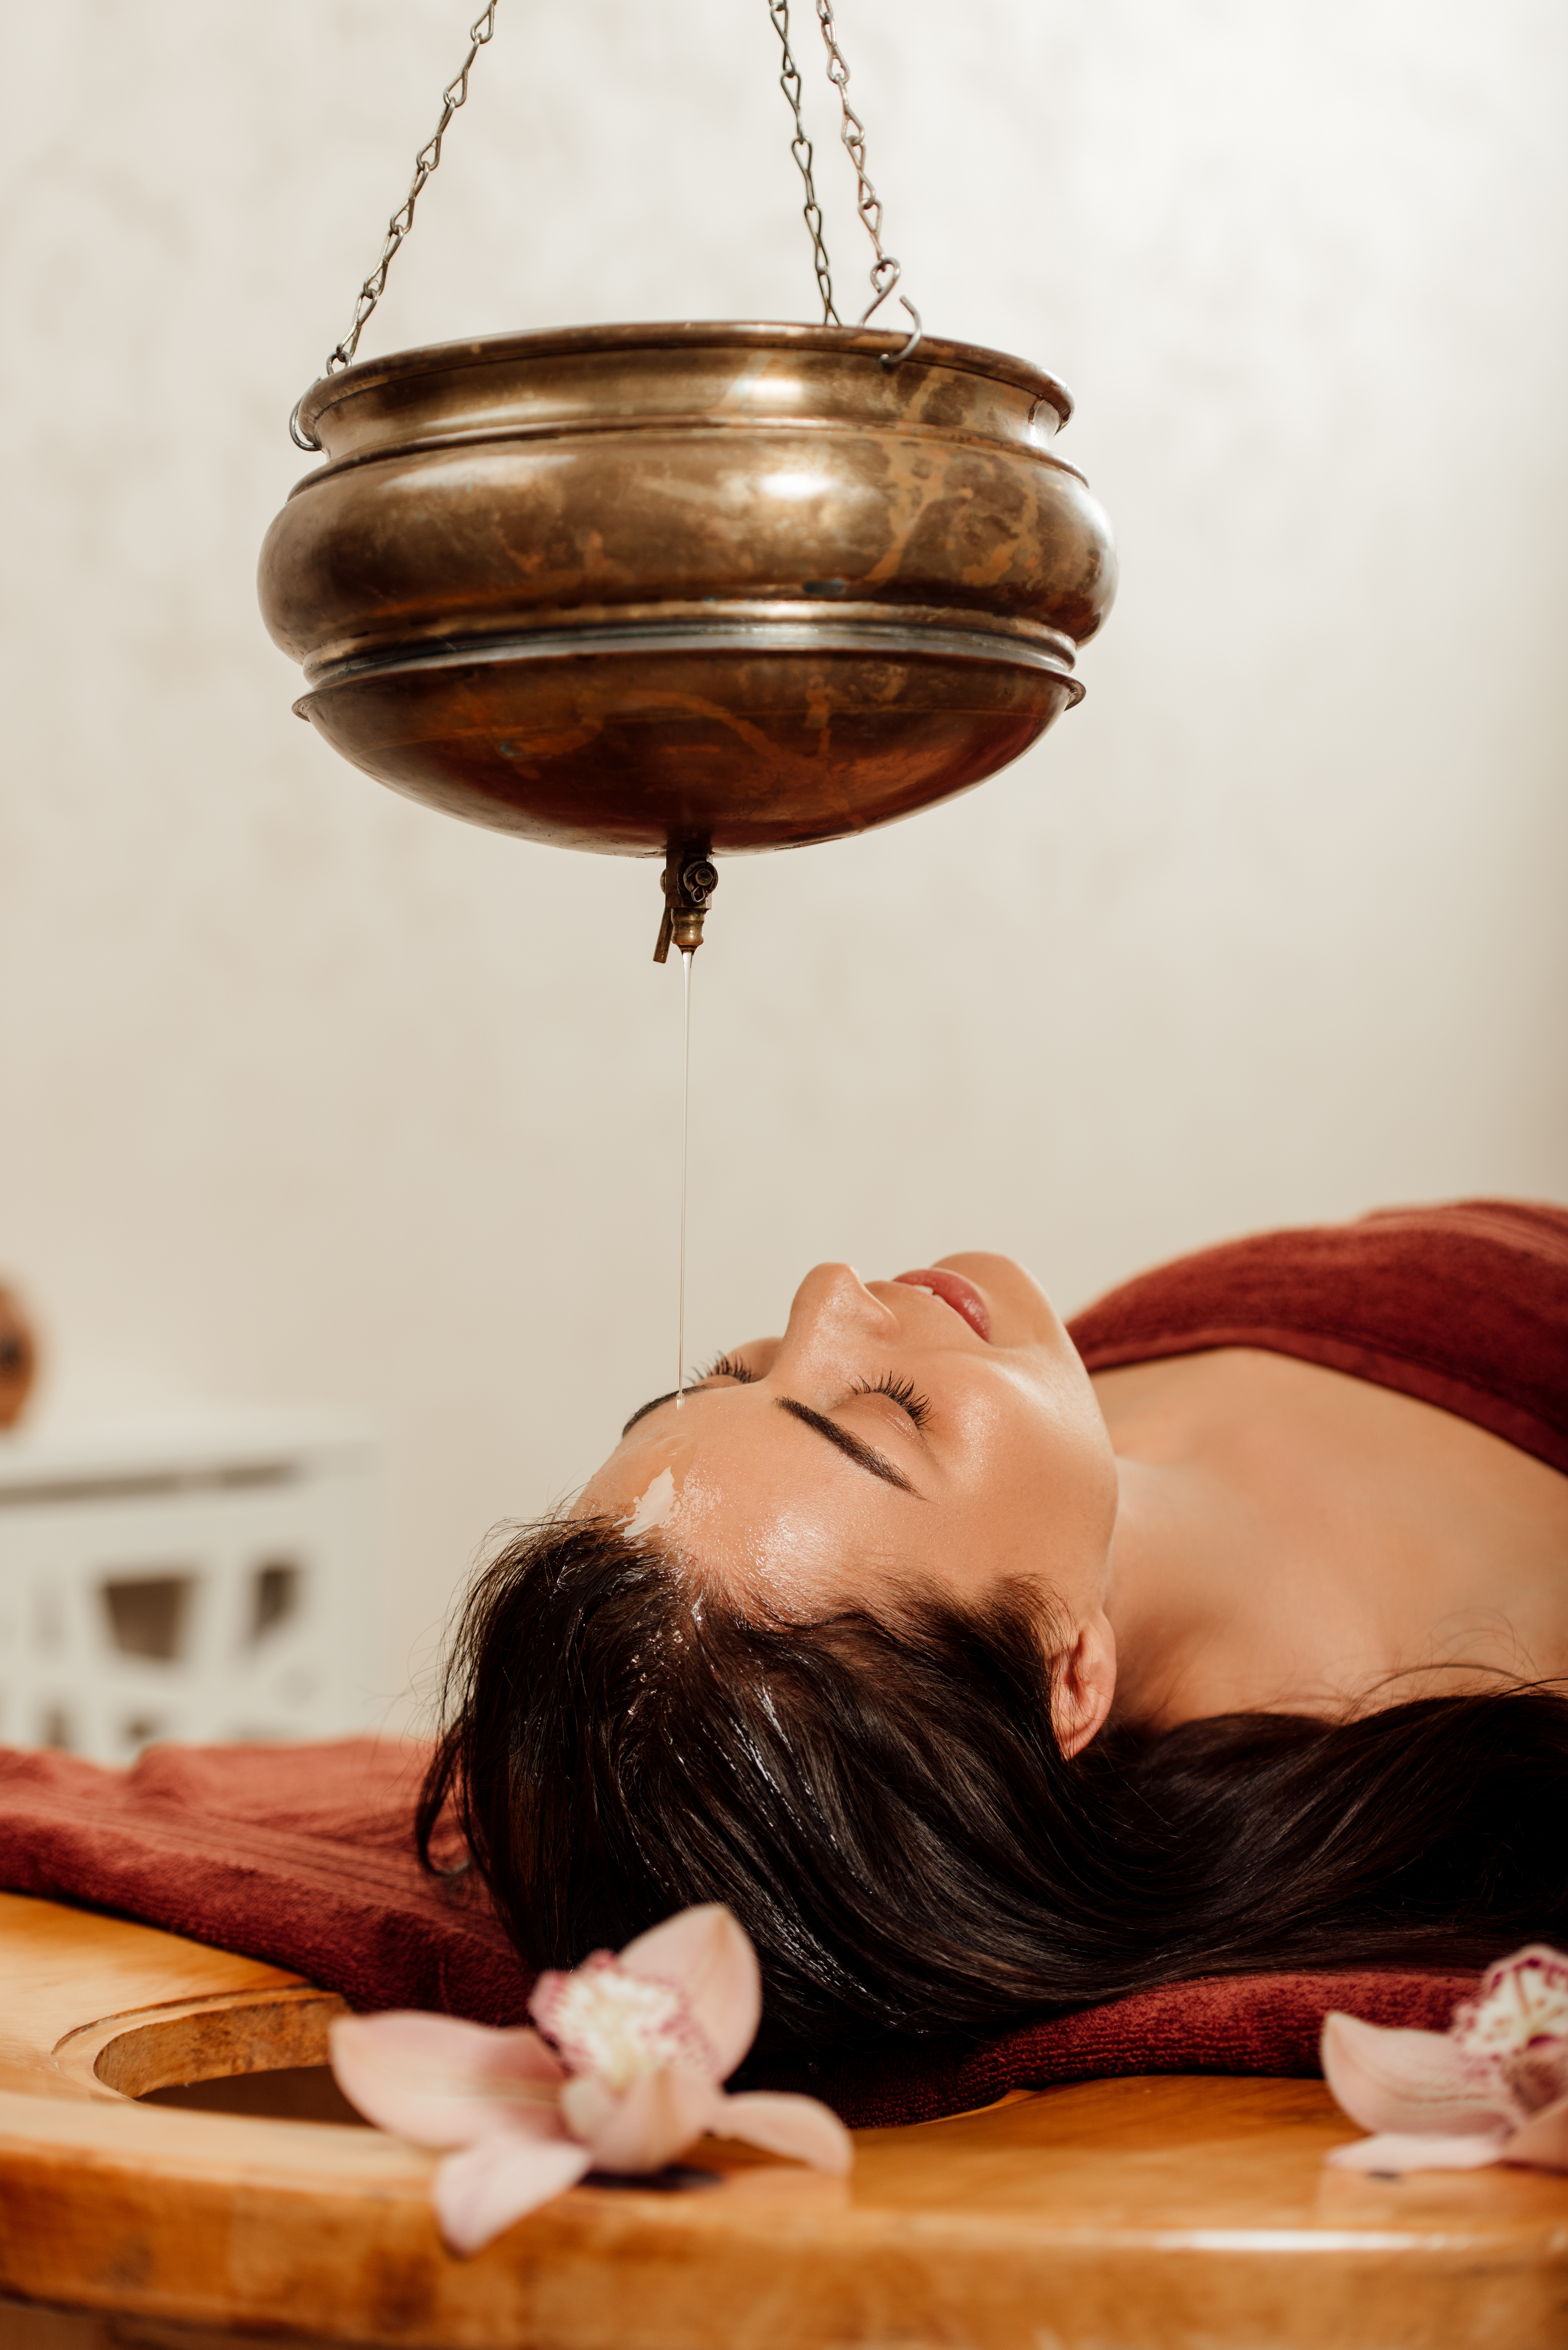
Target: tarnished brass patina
x=693, y=589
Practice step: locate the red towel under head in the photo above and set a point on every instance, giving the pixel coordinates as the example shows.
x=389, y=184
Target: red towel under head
x=302, y=1856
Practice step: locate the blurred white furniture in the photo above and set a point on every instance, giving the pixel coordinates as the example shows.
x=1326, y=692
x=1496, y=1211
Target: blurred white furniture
x=196, y=1575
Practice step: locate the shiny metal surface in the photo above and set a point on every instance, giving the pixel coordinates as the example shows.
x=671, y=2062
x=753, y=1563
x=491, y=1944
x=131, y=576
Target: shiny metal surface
x=724, y=587
x=689, y=881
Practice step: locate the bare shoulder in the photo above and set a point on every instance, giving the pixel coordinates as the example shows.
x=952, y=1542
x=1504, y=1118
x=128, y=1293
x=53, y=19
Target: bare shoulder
x=1346, y=1538
x=1240, y=1399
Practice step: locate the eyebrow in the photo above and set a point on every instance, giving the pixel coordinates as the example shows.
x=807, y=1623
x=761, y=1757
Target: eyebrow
x=863, y=1455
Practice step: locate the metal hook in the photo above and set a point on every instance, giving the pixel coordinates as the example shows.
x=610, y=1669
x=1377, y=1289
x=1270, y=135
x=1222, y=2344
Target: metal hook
x=295, y=434
x=896, y=359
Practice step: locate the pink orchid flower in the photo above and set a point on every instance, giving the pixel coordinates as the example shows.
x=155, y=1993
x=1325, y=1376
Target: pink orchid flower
x=1492, y=2088
x=627, y=2074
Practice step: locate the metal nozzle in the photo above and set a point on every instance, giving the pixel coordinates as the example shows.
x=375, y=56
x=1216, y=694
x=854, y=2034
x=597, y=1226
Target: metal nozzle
x=688, y=881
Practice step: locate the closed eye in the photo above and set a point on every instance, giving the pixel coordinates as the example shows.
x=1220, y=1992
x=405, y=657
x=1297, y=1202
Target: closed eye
x=900, y=1391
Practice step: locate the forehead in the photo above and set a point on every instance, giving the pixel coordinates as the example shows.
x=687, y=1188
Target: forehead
x=664, y=1441
x=739, y=1493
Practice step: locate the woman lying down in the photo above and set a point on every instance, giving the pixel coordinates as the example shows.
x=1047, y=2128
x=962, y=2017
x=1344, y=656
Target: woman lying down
x=986, y=1670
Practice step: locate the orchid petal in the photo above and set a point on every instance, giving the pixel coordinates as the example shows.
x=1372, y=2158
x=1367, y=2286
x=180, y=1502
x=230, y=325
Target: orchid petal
x=1543, y=2139
x=495, y=2181
x=1407, y=2151
x=647, y=2125
x=1404, y=2081
x=588, y=2105
x=707, y=1954
x=441, y=2081
x=797, y=2127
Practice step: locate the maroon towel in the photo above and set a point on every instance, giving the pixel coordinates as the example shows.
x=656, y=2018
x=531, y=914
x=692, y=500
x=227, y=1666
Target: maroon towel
x=1463, y=1307
x=1246, y=2024
x=303, y=1856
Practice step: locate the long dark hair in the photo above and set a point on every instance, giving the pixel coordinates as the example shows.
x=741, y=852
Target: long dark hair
x=886, y=1809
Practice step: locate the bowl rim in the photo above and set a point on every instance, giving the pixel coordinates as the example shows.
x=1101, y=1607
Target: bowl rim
x=677, y=333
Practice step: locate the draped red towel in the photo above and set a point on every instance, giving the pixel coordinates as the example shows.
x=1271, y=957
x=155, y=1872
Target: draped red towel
x=303, y=1856
x=1464, y=1306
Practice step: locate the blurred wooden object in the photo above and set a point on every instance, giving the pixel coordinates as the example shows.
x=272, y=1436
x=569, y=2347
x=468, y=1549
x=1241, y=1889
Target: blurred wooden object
x=18, y=1359
x=1160, y=2214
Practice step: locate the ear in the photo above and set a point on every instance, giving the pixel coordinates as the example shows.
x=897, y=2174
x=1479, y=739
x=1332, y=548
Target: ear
x=1083, y=1683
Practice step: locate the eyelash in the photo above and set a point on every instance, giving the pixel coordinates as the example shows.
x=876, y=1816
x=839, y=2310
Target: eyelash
x=899, y=1391
x=908, y=1397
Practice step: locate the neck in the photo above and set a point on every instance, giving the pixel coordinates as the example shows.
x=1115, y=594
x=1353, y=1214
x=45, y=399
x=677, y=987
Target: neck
x=1161, y=1621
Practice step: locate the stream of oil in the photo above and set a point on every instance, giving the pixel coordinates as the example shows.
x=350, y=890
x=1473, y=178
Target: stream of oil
x=686, y=961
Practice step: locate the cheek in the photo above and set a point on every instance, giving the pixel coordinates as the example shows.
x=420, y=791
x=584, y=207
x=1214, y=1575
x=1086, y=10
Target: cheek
x=1042, y=1458
x=1079, y=1444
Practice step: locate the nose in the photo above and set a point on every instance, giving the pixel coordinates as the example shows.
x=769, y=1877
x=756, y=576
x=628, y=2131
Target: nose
x=832, y=1304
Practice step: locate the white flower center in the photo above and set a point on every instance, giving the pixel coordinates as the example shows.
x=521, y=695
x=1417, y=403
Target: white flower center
x=1523, y=2000
x=621, y=2027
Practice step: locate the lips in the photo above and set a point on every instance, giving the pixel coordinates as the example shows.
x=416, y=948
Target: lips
x=954, y=1291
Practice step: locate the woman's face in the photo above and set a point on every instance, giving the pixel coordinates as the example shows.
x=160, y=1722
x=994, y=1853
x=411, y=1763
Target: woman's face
x=936, y=1429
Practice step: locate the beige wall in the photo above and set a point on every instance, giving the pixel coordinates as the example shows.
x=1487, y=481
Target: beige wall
x=310, y=1095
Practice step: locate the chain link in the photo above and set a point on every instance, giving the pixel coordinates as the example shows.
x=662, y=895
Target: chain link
x=800, y=147
x=403, y=220
x=885, y=271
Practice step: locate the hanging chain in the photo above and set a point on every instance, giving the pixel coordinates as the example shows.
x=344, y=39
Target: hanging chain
x=800, y=147
x=885, y=271
x=403, y=220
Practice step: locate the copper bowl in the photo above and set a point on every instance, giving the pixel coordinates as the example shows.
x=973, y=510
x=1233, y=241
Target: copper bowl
x=743, y=586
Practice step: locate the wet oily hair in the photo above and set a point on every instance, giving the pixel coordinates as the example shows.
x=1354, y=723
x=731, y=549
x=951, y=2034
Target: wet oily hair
x=886, y=1809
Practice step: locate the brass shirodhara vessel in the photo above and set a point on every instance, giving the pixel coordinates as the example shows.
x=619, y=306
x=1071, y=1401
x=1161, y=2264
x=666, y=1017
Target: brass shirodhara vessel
x=687, y=590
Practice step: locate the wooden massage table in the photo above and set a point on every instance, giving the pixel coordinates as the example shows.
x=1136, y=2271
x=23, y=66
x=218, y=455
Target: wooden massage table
x=1110, y=2215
